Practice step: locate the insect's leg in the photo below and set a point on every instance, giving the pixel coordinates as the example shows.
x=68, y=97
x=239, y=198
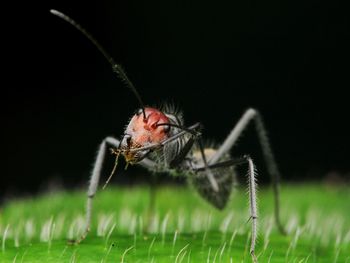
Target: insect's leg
x=248, y=116
x=208, y=172
x=182, y=154
x=95, y=177
x=94, y=180
x=252, y=204
x=252, y=193
x=196, y=136
x=231, y=162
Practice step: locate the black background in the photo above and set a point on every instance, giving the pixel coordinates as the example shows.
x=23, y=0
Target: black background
x=289, y=59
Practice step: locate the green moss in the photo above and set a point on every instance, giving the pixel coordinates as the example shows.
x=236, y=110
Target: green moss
x=183, y=229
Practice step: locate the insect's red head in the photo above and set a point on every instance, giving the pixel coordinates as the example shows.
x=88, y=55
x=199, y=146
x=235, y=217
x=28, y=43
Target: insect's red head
x=142, y=132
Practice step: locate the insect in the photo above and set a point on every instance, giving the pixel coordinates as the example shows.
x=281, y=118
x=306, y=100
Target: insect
x=158, y=140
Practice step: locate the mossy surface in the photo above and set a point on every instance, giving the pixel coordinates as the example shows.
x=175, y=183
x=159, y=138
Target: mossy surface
x=183, y=228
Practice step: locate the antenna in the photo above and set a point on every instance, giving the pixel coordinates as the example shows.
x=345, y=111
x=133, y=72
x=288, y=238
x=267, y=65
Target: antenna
x=116, y=67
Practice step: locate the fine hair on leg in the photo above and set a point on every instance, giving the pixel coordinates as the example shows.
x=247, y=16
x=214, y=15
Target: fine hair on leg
x=252, y=190
x=253, y=205
x=95, y=178
x=96, y=171
x=230, y=141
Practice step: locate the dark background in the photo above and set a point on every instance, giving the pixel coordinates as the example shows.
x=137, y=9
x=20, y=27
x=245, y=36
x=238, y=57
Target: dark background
x=289, y=59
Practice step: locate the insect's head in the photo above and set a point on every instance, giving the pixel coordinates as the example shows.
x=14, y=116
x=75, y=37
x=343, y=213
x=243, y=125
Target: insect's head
x=142, y=132
x=148, y=128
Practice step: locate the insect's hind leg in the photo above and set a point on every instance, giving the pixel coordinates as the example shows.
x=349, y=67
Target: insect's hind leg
x=248, y=116
x=252, y=193
x=252, y=204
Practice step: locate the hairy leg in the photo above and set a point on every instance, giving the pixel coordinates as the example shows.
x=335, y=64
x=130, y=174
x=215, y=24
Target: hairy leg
x=95, y=178
x=249, y=116
x=251, y=189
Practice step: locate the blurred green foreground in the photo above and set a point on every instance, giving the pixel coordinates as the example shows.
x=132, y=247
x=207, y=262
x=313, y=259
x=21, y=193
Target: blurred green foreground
x=182, y=228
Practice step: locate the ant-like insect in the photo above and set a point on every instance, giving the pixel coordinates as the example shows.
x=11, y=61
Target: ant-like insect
x=158, y=140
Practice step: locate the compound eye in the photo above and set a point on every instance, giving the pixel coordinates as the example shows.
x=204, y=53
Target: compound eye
x=166, y=128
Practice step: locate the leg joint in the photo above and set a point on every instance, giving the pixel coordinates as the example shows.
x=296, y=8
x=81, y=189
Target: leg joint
x=252, y=111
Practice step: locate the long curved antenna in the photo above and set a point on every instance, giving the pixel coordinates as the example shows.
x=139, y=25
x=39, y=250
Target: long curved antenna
x=116, y=67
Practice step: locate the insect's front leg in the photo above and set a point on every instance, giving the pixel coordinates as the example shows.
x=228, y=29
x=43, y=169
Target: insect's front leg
x=95, y=178
x=93, y=183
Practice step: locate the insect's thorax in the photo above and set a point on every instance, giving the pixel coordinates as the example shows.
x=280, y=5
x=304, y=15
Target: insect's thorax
x=170, y=151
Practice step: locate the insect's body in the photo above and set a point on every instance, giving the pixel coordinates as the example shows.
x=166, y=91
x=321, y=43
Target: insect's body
x=143, y=132
x=158, y=140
